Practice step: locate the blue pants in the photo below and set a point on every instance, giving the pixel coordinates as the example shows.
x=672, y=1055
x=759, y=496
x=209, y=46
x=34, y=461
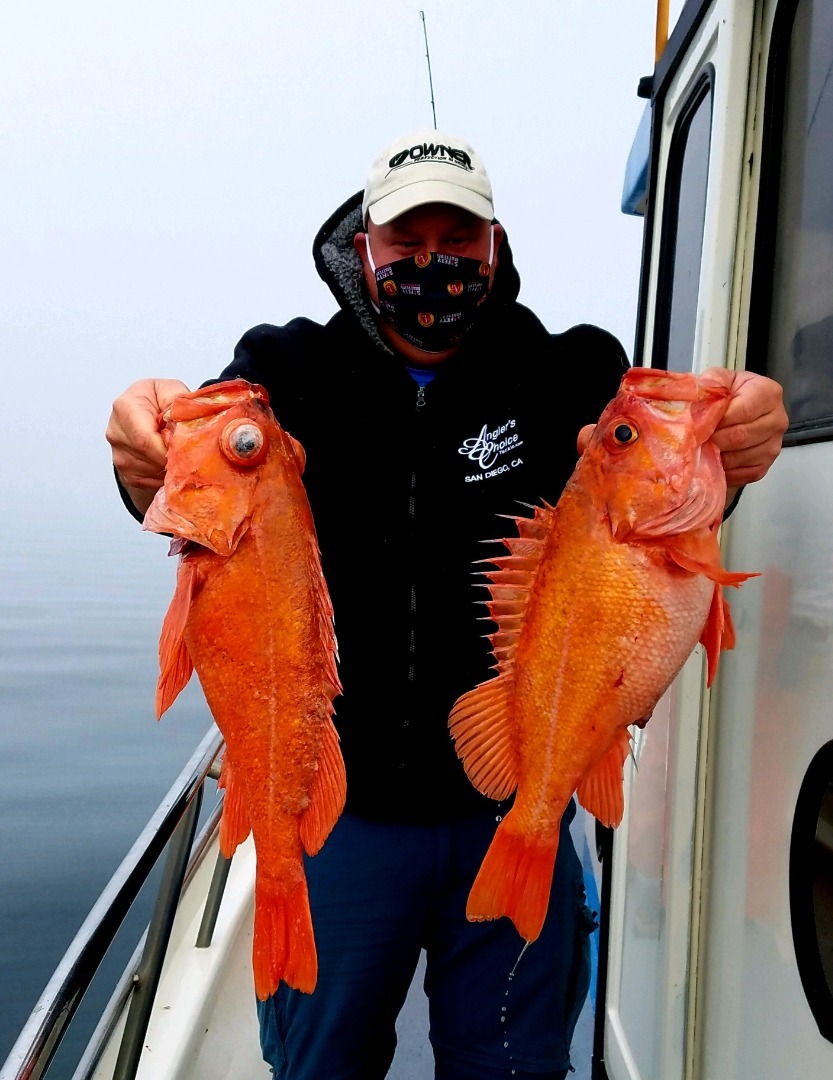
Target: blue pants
x=379, y=894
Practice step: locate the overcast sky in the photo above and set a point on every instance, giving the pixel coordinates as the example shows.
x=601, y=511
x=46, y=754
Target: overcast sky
x=167, y=164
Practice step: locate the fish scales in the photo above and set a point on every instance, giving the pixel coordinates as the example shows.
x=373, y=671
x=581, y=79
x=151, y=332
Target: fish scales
x=252, y=614
x=616, y=585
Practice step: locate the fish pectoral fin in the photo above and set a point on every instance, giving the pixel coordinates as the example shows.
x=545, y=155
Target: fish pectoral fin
x=699, y=552
x=600, y=791
x=175, y=663
x=235, y=825
x=327, y=795
x=481, y=726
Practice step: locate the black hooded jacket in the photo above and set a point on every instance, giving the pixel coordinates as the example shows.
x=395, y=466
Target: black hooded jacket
x=406, y=487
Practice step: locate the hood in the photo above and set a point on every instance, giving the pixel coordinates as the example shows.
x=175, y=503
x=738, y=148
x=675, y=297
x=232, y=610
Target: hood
x=338, y=264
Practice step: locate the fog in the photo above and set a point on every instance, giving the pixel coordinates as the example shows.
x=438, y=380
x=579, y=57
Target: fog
x=166, y=166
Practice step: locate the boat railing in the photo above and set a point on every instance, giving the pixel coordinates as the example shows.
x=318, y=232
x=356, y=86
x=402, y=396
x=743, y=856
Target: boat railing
x=172, y=827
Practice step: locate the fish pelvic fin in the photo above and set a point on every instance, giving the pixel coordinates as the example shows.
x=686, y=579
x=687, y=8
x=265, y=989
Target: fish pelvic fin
x=600, y=790
x=327, y=795
x=175, y=663
x=718, y=632
x=480, y=724
x=699, y=552
x=235, y=825
x=514, y=879
x=284, y=944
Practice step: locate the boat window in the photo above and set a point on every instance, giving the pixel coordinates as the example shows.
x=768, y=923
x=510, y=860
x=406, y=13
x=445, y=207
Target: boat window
x=795, y=254
x=811, y=887
x=682, y=242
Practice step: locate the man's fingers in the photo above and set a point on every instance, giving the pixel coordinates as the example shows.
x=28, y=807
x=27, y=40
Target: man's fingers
x=751, y=463
x=584, y=437
x=750, y=433
x=133, y=431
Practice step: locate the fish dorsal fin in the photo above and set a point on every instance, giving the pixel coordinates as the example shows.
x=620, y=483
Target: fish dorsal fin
x=235, y=825
x=699, y=552
x=327, y=795
x=481, y=719
x=327, y=648
x=512, y=580
x=600, y=791
x=175, y=663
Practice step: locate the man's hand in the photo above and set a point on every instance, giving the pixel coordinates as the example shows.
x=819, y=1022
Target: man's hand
x=133, y=432
x=583, y=439
x=749, y=435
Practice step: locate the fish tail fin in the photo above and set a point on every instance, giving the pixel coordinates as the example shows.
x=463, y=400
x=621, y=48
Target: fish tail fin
x=514, y=880
x=284, y=944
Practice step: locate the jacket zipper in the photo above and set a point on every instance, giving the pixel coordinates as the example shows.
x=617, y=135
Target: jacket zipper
x=420, y=404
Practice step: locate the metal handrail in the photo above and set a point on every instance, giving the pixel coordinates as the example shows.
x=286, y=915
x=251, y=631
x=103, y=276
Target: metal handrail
x=38, y=1041
x=146, y=979
x=114, y=1008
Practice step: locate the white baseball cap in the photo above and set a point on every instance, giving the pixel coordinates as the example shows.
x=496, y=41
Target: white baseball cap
x=423, y=167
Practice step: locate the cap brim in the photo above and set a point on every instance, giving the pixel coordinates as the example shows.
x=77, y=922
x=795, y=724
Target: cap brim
x=428, y=191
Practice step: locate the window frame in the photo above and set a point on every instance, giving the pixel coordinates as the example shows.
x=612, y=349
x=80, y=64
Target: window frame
x=766, y=223
x=703, y=87
x=803, y=843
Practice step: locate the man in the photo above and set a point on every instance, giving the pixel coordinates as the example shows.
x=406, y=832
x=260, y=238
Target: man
x=431, y=403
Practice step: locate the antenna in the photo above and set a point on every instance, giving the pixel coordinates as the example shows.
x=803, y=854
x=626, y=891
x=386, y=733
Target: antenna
x=428, y=58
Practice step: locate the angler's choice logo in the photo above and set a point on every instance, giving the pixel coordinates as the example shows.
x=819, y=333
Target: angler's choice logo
x=487, y=449
x=431, y=152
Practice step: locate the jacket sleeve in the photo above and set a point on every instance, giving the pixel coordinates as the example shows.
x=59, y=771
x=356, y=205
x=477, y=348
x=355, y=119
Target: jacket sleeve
x=596, y=361
x=275, y=357
x=125, y=498
x=264, y=351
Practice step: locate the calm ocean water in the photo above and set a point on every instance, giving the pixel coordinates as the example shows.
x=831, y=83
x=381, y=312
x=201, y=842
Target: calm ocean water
x=84, y=761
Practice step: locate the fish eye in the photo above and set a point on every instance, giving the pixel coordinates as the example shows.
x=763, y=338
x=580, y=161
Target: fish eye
x=624, y=433
x=243, y=442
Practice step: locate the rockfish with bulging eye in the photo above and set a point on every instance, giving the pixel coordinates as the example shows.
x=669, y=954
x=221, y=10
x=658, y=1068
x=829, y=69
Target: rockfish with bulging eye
x=598, y=605
x=252, y=614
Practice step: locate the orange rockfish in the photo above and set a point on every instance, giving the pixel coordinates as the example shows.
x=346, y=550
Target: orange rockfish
x=598, y=605
x=252, y=614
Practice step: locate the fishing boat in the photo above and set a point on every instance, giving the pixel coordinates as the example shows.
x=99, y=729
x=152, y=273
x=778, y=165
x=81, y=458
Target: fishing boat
x=715, y=957
x=717, y=927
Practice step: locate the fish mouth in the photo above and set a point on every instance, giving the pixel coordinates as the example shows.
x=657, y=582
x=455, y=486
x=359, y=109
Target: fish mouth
x=160, y=518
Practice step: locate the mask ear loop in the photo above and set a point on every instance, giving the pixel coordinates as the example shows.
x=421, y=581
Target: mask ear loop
x=369, y=252
x=491, y=245
x=375, y=306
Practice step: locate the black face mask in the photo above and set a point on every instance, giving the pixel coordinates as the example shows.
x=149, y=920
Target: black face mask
x=432, y=299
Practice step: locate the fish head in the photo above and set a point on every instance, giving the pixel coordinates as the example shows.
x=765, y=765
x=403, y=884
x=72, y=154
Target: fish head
x=655, y=470
x=219, y=439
